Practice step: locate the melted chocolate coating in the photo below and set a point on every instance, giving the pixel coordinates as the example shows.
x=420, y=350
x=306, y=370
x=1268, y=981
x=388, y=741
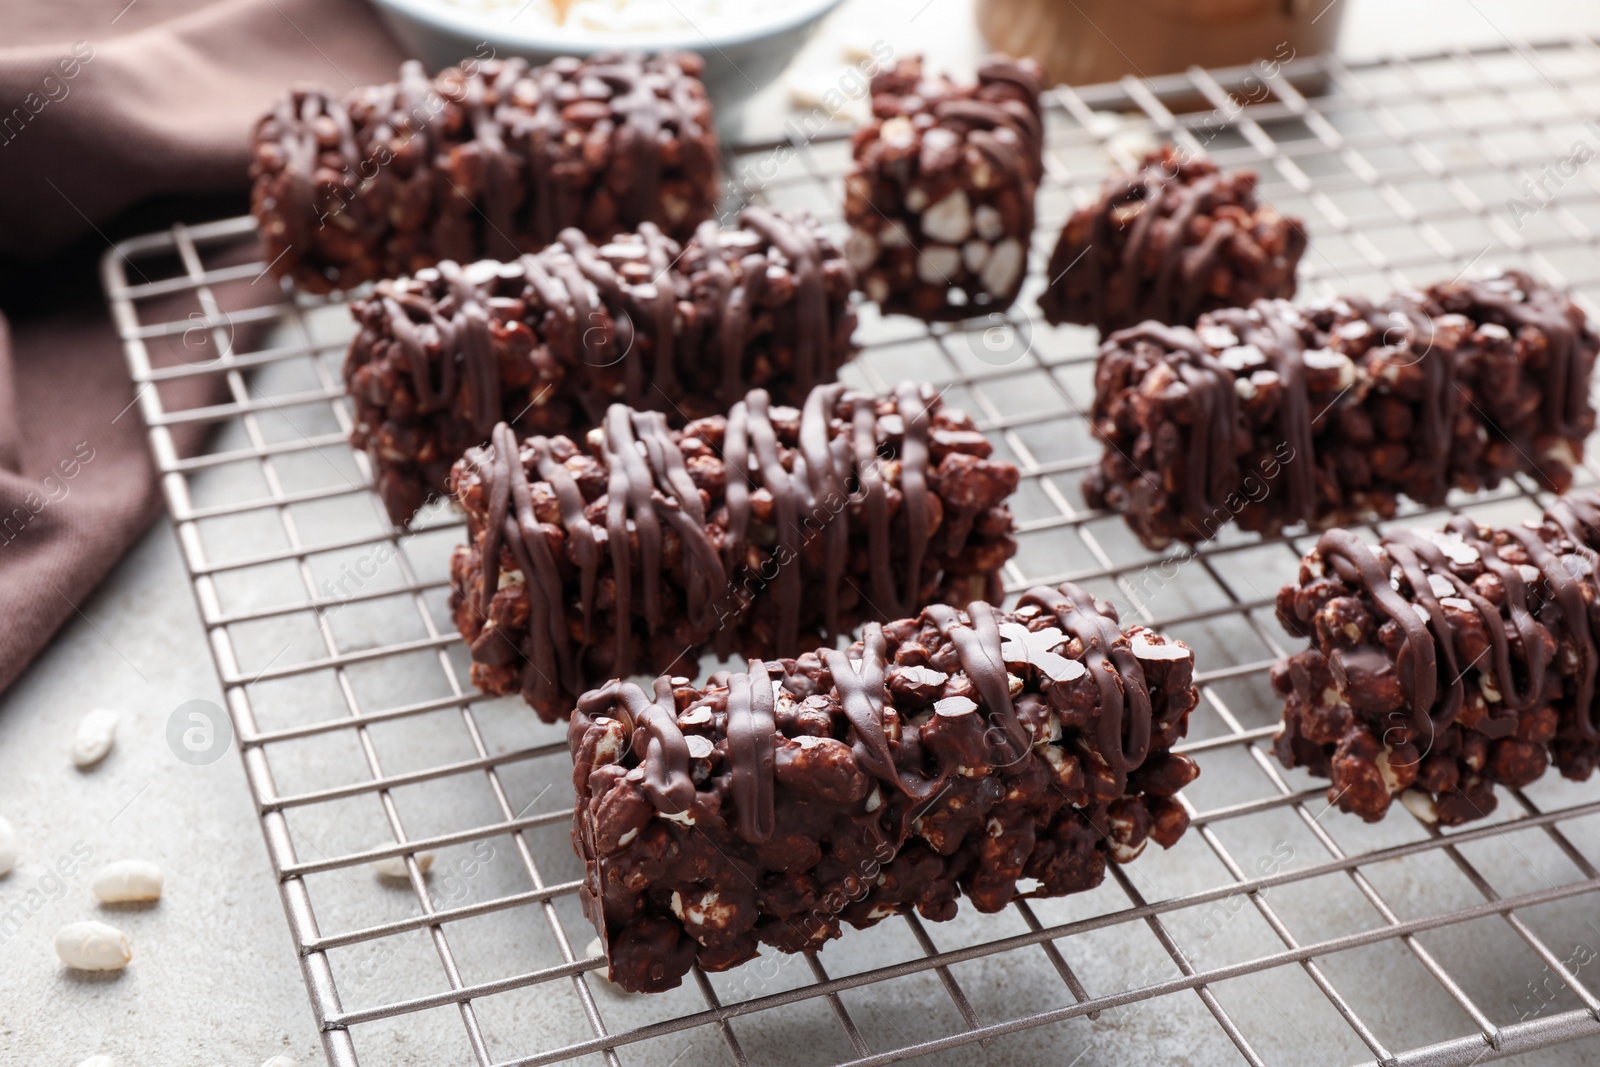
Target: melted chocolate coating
x=972, y=151
x=752, y=741
x=1463, y=653
x=769, y=807
x=1516, y=300
x=549, y=341
x=491, y=160
x=1274, y=415
x=1173, y=239
x=781, y=537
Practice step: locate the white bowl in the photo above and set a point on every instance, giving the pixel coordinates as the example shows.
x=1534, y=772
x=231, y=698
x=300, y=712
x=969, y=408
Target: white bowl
x=738, y=62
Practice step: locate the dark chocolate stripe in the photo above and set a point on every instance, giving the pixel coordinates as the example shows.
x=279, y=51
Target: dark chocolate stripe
x=862, y=696
x=1525, y=302
x=824, y=488
x=860, y=687
x=1578, y=517
x=581, y=534
x=1211, y=465
x=649, y=487
x=663, y=752
x=576, y=295
x=1568, y=594
x=1275, y=328
x=978, y=648
x=752, y=748
x=1124, y=694
x=1280, y=334
x=914, y=461
x=755, y=422
x=642, y=115
x=874, y=495
x=1528, y=630
x=1428, y=641
x=801, y=248
x=1417, y=663
x=502, y=171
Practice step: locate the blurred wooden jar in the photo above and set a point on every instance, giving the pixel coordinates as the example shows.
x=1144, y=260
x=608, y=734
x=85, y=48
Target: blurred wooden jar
x=1082, y=42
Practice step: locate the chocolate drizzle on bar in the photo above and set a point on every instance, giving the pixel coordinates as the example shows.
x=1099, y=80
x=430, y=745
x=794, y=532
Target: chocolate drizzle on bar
x=804, y=253
x=1125, y=714
x=582, y=291
x=465, y=330
x=653, y=725
x=1181, y=272
x=733, y=301
x=1358, y=402
x=842, y=787
x=1212, y=469
x=858, y=678
x=650, y=490
x=1010, y=134
x=299, y=115
x=1167, y=241
x=1272, y=327
x=1578, y=517
x=1428, y=652
x=811, y=500
x=863, y=695
x=1515, y=300
x=502, y=170
x=1443, y=663
x=489, y=160
x=752, y=745
x=979, y=650
x=645, y=309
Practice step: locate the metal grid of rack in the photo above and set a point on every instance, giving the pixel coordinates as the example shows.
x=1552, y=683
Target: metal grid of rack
x=1274, y=932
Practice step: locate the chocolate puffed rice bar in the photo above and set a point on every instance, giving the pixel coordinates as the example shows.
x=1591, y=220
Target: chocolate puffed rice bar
x=1168, y=242
x=1274, y=415
x=986, y=754
x=940, y=202
x=760, y=532
x=1443, y=662
x=487, y=160
x=548, y=341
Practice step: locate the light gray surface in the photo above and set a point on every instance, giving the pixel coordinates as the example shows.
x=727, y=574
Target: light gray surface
x=214, y=980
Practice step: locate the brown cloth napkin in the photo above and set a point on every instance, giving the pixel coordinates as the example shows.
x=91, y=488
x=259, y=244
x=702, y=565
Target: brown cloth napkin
x=103, y=104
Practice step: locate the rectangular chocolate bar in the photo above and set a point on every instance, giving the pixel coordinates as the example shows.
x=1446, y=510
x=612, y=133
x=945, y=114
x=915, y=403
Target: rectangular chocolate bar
x=638, y=547
x=1274, y=415
x=1174, y=239
x=487, y=160
x=547, y=342
x=940, y=203
x=1443, y=662
x=986, y=754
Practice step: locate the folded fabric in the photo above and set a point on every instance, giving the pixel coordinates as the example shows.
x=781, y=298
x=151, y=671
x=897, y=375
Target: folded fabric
x=107, y=104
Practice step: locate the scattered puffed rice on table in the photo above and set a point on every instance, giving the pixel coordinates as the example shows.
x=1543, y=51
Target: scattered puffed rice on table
x=127, y=881
x=97, y=732
x=93, y=946
x=10, y=847
x=395, y=866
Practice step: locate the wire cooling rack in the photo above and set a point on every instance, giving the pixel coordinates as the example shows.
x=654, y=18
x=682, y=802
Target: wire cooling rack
x=1277, y=932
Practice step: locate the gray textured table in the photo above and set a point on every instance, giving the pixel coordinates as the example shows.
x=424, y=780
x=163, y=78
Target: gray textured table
x=215, y=981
